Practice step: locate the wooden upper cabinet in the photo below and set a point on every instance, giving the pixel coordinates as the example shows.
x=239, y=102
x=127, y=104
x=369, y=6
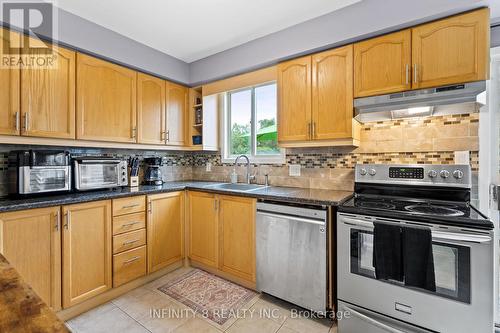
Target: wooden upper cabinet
x=382, y=65
x=452, y=50
x=332, y=101
x=9, y=92
x=237, y=229
x=203, y=228
x=87, y=251
x=150, y=109
x=48, y=97
x=177, y=103
x=165, y=230
x=31, y=242
x=106, y=101
x=294, y=100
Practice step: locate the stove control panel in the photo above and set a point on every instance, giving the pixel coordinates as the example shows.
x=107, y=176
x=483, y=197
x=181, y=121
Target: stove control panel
x=406, y=173
x=415, y=174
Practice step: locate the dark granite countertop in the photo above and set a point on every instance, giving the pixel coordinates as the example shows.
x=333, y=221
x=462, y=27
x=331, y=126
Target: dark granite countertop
x=285, y=194
x=21, y=309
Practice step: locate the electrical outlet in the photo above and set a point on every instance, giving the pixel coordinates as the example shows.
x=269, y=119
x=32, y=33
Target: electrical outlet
x=294, y=170
x=209, y=167
x=462, y=157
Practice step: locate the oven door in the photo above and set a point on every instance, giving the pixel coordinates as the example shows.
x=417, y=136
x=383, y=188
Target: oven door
x=463, y=265
x=44, y=179
x=94, y=174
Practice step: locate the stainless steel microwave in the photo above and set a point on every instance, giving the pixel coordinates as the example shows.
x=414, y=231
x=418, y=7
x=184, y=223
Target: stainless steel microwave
x=99, y=172
x=39, y=171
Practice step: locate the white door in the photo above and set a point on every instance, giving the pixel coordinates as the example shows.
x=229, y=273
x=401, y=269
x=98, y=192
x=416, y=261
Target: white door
x=489, y=182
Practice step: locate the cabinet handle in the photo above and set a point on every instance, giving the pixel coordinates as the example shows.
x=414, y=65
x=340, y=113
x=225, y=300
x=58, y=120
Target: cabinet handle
x=131, y=260
x=150, y=206
x=162, y=135
x=68, y=220
x=130, y=242
x=130, y=224
x=415, y=73
x=407, y=72
x=168, y=135
x=134, y=131
x=313, y=131
x=130, y=206
x=309, y=126
x=26, y=121
x=18, y=120
x=58, y=222
x=215, y=204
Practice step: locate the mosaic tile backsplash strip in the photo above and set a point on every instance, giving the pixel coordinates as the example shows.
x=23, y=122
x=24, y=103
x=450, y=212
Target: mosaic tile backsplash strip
x=408, y=141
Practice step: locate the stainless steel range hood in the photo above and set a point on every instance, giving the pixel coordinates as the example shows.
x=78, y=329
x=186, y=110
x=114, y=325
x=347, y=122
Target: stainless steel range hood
x=419, y=103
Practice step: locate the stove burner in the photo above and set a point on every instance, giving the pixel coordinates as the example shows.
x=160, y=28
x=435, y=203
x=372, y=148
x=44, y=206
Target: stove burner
x=433, y=210
x=375, y=205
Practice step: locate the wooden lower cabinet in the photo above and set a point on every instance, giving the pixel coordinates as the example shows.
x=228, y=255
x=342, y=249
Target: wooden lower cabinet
x=222, y=233
x=203, y=228
x=86, y=239
x=237, y=230
x=165, y=229
x=31, y=241
x=129, y=265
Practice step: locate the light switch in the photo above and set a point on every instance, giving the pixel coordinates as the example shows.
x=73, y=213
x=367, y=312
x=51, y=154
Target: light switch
x=294, y=170
x=462, y=157
x=209, y=166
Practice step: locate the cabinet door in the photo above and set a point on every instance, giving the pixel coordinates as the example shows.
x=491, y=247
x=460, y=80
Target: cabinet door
x=203, y=232
x=106, y=101
x=48, y=97
x=86, y=240
x=31, y=241
x=332, y=106
x=382, y=65
x=237, y=228
x=165, y=229
x=177, y=101
x=452, y=50
x=294, y=100
x=9, y=92
x=150, y=109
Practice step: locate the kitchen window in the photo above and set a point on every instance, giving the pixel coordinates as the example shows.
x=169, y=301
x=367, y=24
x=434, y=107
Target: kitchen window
x=250, y=125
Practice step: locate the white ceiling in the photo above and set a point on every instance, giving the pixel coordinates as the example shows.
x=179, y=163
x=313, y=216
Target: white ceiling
x=194, y=29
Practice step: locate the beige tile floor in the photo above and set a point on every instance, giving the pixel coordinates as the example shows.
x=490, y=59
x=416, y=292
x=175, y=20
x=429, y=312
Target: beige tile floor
x=131, y=313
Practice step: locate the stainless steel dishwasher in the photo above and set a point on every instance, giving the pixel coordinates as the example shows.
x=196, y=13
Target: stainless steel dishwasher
x=292, y=254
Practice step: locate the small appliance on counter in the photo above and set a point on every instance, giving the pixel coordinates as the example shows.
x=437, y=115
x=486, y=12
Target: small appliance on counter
x=133, y=180
x=39, y=171
x=96, y=172
x=153, y=176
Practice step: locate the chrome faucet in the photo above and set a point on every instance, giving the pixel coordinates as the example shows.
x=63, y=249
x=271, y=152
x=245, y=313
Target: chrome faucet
x=249, y=177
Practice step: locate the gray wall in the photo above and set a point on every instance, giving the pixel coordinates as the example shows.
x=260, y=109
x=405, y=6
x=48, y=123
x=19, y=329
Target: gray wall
x=87, y=36
x=495, y=36
x=359, y=21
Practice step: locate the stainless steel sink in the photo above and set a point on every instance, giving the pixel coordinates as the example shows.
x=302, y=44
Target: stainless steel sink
x=238, y=187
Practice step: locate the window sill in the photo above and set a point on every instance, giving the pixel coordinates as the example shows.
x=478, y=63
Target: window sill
x=258, y=160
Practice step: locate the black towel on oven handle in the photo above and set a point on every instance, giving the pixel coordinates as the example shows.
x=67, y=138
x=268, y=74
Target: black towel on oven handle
x=387, y=251
x=418, y=258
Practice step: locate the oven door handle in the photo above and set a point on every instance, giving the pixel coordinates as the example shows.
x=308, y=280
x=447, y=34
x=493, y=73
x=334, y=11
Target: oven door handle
x=99, y=161
x=373, y=321
x=436, y=235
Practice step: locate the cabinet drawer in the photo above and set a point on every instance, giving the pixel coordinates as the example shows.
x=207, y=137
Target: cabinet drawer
x=129, y=205
x=129, y=265
x=129, y=240
x=129, y=222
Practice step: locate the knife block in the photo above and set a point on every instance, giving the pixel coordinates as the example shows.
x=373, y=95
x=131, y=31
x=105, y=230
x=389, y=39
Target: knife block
x=133, y=181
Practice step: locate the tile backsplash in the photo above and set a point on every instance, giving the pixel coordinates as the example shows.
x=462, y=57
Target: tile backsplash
x=431, y=140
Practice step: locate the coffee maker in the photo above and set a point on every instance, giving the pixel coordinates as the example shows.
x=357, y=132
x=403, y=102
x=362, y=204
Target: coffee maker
x=152, y=176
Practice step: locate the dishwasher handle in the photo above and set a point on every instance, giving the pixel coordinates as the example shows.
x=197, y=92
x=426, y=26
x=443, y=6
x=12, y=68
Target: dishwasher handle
x=290, y=217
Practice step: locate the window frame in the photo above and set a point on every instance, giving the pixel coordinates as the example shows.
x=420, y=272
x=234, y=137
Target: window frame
x=226, y=130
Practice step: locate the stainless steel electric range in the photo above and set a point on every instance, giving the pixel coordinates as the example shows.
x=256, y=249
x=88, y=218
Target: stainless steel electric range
x=431, y=197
